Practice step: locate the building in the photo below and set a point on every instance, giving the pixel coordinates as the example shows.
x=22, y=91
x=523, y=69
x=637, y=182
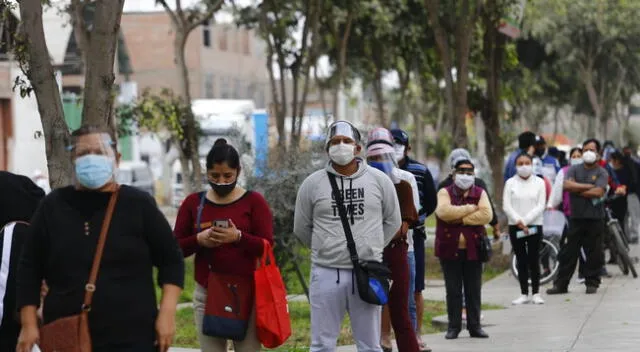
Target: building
x=224, y=62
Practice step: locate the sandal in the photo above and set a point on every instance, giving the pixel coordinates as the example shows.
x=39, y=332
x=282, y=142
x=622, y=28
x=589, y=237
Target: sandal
x=386, y=349
x=424, y=348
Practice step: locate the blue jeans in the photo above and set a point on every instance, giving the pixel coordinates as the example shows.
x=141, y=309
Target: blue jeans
x=412, y=284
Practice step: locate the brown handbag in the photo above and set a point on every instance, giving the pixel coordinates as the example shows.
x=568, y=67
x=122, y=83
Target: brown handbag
x=71, y=334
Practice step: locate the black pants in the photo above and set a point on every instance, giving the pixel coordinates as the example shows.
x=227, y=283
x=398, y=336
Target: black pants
x=459, y=273
x=527, y=250
x=585, y=233
x=147, y=346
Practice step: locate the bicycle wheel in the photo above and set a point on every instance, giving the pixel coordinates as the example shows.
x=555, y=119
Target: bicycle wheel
x=623, y=255
x=549, y=264
x=621, y=250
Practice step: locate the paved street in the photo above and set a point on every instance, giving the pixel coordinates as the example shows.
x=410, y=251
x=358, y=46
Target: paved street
x=606, y=321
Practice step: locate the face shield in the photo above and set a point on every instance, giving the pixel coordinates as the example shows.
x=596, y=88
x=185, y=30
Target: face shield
x=342, y=129
x=381, y=156
x=94, y=159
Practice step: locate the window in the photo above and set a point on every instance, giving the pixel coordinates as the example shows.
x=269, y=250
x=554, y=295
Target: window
x=206, y=34
x=222, y=40
x=209, y=86
x=245, y=42
x=225, y=88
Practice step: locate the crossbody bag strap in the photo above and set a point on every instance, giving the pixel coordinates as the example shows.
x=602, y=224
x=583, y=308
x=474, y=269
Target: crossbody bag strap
x=90, y=288
x=203, y=198
x=351, y=245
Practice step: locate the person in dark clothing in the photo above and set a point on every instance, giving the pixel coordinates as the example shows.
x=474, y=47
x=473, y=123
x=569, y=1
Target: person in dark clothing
x=586, y=183
x=625, y=172
x=61, y=245
x=428, y=199
x=19, y=200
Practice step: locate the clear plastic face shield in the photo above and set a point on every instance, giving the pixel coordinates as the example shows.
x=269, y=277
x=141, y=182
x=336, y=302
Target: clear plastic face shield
x=382, y=157
x=94, y=158
x=342, y=132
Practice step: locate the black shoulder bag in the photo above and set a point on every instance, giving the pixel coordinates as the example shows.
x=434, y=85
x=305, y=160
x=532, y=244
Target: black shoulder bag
x=372, y=277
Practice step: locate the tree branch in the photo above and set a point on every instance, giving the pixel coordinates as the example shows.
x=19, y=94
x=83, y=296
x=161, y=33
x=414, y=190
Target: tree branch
x=168, y=10
x=205, y=16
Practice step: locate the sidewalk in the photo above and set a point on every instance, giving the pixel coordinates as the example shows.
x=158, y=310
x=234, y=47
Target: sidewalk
x=606, y=321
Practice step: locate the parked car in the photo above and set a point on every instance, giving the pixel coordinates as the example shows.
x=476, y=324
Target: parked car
x=136, y=174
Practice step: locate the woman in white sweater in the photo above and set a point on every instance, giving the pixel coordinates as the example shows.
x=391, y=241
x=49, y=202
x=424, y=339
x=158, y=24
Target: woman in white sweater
x=524, y=203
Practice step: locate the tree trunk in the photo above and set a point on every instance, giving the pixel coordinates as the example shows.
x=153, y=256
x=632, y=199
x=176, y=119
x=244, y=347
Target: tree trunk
x=587, y=79
x=99, y=76
x=494, y=50
x=193, y=180
x=42, y=78
x=342, y=60
x=379, y=93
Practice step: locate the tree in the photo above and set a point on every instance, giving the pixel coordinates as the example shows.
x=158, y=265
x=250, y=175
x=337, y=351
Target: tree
x=31, y=52
x=598, y=40
x=454, y=25
x=184, y=21
x=277, y=22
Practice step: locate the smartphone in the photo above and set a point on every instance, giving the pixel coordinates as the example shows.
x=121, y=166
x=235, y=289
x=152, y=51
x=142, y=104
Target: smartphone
x=221, y=223
x=532, y=231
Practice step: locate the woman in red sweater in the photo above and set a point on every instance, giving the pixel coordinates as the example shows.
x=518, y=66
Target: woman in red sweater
x=233, y=250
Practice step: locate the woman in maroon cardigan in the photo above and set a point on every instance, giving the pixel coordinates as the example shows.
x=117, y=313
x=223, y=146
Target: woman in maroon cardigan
x=462, y=212
x=233, y=250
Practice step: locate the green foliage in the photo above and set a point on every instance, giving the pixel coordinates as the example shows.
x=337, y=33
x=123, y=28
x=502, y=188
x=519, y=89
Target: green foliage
x=156, y=112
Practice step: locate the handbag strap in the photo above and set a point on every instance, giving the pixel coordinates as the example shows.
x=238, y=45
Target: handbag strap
x=90, y=288
x=351, y=245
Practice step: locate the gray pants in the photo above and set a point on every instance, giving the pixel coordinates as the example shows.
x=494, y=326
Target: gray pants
x=333, y=293
x=633, y=216
x=213, y=344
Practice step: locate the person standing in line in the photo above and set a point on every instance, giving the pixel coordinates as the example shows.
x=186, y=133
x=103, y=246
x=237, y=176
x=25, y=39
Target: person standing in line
x=374, y=216
x=19, y=200
x=524, y=203
x=586, y=182
x=399, y=253
x=550, y=165
x=526, y=142
x=561, y=197
x=232, y=250
x=427, y=200
x=462, y=212
x=61, y=245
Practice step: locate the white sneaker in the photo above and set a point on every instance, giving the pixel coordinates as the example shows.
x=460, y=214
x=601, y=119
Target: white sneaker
x=580, y=280
x=537, y=299
x=521, y=300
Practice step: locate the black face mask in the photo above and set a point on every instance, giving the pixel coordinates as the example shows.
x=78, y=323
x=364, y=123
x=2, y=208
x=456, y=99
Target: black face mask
x=223, y=190
x=540, y=152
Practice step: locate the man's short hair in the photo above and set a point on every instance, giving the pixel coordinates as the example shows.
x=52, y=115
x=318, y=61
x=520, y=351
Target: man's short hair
x=526, y=140
x=594, y=141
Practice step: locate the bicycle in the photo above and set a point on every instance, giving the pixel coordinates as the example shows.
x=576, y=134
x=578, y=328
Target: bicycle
x=554, y=224
x=616, y=235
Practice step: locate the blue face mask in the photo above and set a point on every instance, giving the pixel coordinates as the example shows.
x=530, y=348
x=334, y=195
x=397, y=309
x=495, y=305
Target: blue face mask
x=94, y=171
x=383, y=166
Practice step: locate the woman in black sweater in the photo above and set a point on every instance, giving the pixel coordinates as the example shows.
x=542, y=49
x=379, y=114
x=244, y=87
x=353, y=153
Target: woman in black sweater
x=61, y=246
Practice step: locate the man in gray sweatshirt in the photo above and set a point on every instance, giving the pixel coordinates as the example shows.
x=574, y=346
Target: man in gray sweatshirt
x=374, y=215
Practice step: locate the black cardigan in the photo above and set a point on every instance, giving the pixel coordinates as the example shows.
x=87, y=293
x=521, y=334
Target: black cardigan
x=59, y=250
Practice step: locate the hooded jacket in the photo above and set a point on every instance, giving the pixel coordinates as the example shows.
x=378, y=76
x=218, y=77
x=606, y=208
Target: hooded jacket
x=372, y=209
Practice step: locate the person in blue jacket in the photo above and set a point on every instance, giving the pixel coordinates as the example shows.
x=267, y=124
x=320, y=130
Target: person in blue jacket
x=550, y=165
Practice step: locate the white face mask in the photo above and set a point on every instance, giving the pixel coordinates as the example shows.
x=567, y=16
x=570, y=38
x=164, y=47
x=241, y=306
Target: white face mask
x=342, y=154
x=399, y=151
x=524, y=171
x=589, y=157
x=464, y=182
x=576, y=161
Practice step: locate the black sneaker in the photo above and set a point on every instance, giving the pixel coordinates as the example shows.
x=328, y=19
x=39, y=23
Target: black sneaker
x=591, y=290
x=555, y=290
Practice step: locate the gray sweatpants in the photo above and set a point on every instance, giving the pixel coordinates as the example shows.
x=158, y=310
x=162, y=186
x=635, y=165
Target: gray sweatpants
x=333, y=293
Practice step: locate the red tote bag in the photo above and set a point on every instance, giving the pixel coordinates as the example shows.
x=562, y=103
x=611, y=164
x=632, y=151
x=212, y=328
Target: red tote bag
x=272, y=312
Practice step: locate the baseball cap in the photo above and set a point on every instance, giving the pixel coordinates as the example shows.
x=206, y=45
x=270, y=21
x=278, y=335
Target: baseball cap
x=400, y=136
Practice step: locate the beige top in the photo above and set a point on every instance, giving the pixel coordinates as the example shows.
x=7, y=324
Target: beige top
x=465, y=213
